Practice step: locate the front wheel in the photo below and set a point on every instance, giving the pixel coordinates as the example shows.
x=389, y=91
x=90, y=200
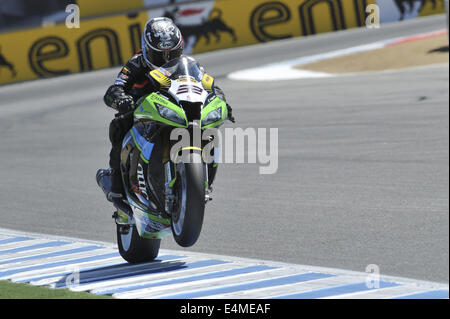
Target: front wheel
x=133, y=248
x=189, y=190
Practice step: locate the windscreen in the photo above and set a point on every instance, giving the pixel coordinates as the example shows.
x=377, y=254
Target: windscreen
x=182, y=67
x=185, y=76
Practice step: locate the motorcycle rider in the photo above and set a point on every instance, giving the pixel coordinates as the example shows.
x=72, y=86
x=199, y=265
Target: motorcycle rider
x=161, y=42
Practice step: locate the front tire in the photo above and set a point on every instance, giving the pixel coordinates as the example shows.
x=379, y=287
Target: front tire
x=187, y=219
x=135, y=249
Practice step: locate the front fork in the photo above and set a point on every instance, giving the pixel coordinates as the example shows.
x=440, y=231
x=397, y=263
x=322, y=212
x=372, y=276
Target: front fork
x=170, y=169
x=170, y=179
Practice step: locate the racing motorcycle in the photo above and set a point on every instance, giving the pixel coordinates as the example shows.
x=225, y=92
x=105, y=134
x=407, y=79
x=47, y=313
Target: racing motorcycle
x=167, y=182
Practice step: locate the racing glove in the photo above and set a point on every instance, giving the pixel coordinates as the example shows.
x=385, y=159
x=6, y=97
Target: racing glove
x=124, y=104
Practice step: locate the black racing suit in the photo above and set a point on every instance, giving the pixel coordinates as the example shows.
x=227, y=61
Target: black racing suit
x=133, y=80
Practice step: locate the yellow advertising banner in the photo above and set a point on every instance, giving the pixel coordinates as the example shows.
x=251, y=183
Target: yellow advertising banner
x=431, y=7
x=261, y=21
x=52, y=51
x=206, y=25
x=100, y=7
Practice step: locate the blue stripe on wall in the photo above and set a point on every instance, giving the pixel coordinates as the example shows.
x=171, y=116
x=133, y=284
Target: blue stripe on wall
x=285, y=280
x=13, y=240
x=212, y=275
x=37, y=246
x=53, y=254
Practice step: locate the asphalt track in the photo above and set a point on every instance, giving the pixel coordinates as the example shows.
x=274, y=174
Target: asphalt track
x=363, y=174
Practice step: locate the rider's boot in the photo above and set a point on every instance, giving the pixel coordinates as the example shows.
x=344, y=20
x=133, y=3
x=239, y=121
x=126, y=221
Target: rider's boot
x=117, y=189
x=110, y=180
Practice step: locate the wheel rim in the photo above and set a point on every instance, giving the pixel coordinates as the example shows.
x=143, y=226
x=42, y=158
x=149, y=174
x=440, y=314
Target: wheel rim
x=178, y=218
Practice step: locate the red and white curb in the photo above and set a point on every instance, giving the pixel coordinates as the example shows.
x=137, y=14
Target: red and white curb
x=96, y=267
x=285, y=70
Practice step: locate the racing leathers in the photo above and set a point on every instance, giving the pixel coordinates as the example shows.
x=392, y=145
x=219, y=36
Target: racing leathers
x=131, y=83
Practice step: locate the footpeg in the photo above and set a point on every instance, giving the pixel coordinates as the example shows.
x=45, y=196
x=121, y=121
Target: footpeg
x=111, y=196
x=208, y=195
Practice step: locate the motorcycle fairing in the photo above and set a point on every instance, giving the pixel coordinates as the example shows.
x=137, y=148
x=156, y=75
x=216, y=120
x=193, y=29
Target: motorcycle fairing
x=137, y=155
x=147, y=110
x=142, y=144
x=151, y=226
x=216, y=104
x=208, y=83
x=183, y=80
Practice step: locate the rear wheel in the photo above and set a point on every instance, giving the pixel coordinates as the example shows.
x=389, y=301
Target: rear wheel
x=133, y=248
x=189, y=190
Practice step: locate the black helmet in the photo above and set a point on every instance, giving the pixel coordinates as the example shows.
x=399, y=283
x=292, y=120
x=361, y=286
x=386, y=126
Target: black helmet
x=161, y=42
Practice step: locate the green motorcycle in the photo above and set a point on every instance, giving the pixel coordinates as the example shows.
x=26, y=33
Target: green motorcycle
x=167, y=180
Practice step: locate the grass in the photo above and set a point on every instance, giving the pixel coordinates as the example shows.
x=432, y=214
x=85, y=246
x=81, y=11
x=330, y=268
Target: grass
x=9, y=290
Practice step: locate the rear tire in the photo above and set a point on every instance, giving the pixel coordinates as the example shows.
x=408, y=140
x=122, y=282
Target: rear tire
x=135, y=249
x=187, y=219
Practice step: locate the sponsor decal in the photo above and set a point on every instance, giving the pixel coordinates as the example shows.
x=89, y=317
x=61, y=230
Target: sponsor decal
x=197, y=22
x=184, y=78
x=219, y=24
x=165, y=45
x=165, y=72
x=136, y=189
x=141, y=181
x=164, y=81
x=210, y=98
x=125, y=70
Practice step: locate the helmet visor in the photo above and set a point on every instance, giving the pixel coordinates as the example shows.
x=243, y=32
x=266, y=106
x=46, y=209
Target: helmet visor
x=158, y=58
